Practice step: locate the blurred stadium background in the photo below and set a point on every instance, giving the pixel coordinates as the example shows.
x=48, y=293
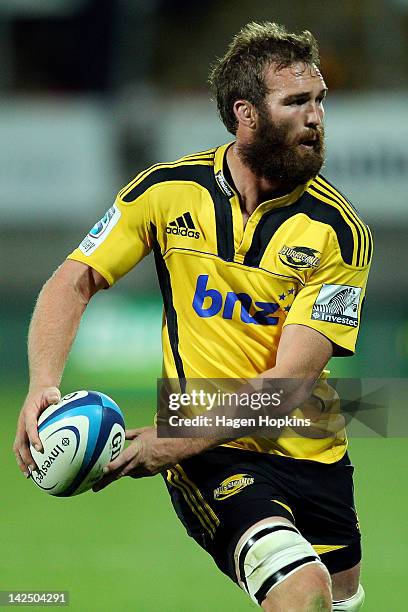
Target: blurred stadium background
x=92, y=91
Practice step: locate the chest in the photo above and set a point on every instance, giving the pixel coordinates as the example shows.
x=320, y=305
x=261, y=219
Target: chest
x=285, y=241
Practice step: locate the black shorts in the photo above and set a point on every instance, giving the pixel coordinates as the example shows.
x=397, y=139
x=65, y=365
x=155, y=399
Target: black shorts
x=222, y=492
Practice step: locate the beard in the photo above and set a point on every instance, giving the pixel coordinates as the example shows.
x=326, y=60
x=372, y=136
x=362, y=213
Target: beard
x=270, y=156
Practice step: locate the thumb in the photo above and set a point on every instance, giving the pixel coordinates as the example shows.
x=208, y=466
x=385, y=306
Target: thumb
x=51, y=395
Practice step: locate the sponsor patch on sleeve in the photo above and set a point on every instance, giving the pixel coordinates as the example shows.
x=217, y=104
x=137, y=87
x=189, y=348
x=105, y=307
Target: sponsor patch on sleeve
x=337, y=304
x=100, y=230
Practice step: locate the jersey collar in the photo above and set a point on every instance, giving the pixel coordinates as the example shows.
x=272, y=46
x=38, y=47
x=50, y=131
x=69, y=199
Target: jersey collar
x=229, y=190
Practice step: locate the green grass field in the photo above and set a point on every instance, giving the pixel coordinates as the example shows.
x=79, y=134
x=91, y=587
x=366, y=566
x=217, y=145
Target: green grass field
x=124, y=549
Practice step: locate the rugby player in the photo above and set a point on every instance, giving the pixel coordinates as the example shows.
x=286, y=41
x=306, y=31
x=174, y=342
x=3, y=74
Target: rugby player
x=262, y=264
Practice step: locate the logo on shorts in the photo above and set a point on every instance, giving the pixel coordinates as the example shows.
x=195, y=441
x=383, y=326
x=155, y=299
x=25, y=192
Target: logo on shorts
x=232, y=485
x=337, y=304
x=299, y=257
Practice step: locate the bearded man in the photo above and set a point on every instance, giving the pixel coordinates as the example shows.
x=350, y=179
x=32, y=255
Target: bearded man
x=263, y=265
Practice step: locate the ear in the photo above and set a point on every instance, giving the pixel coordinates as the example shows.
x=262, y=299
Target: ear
x=245, y=113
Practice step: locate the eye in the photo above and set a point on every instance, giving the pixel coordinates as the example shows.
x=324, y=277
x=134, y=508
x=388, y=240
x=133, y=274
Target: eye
x=297, y=102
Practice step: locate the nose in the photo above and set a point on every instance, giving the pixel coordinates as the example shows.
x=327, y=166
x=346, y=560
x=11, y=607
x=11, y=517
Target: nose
x=314, y=115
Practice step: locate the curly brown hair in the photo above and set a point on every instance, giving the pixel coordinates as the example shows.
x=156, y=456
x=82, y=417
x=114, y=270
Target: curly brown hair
x=239, y=74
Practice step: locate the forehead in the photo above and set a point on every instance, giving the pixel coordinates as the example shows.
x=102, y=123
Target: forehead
x=298, y=77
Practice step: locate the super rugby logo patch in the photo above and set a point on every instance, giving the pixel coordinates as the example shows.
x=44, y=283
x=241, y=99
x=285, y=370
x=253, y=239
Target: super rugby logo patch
x=299, y=257
x=98, y=233
x=232, y=485
x=337, y=304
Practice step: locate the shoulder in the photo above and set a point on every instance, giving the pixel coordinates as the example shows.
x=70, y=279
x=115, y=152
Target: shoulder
x=196, y=167
x=331, y=206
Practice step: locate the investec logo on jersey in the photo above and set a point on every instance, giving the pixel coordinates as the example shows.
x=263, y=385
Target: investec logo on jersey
x=210, y=302
x=183, y=226
x=337, y=304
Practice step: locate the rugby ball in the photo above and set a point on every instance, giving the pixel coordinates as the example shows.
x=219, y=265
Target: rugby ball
x=80, y=435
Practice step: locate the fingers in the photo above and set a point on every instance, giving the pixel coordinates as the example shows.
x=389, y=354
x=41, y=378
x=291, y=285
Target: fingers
x=51, y=395
x=21, y=449
x=23, y=466
x=123, y=465
x=32, y=432
x=133, y=472
x=131, y=434
x=123, y=462
x=27, y=432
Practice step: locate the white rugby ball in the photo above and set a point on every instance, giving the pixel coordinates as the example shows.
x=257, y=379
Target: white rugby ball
x=80, y=435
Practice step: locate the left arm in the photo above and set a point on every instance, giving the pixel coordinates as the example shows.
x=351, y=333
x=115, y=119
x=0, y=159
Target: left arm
x=302, y=355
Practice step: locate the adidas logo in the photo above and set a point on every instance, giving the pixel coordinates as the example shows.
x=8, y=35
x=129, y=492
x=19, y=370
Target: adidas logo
x=183, y=226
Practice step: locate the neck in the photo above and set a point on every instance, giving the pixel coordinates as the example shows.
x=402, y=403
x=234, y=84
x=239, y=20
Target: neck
x=252, y=189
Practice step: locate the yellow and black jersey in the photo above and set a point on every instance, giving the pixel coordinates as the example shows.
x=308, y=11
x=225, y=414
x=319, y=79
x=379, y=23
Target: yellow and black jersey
x=228, y=290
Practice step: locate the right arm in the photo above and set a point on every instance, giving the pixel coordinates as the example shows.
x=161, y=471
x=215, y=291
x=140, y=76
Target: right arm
x=53, y=328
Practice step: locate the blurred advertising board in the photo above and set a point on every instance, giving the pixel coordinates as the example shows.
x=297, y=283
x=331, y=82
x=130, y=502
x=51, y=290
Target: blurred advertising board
x=57, y=160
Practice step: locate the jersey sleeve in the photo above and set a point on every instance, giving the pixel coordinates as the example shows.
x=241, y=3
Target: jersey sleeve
x=331, y=300
x=116, y=243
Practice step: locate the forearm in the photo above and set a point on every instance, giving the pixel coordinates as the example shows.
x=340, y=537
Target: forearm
x=53, y=327
x=151, y=453
x=302, y=355
x=274, y=380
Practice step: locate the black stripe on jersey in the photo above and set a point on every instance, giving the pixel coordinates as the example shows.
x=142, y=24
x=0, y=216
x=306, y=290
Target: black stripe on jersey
x=171, y=314
x=340, y=198
x=202, y=175
x=370, y=245
x=323, y=180
x=164, y=165
x=224, y=225
x=320, y=184
x=197, y=173
x=202, y=153
x=315, y=190
x=312, y=208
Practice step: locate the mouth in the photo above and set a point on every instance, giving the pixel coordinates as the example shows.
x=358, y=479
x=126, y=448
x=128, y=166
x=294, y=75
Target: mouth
x=309, y=144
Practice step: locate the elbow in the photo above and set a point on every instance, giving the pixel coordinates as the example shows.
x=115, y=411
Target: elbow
x=305, y=389
x=295, y=392
x=75, y=279
x=298, y=390
x=83, y=290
